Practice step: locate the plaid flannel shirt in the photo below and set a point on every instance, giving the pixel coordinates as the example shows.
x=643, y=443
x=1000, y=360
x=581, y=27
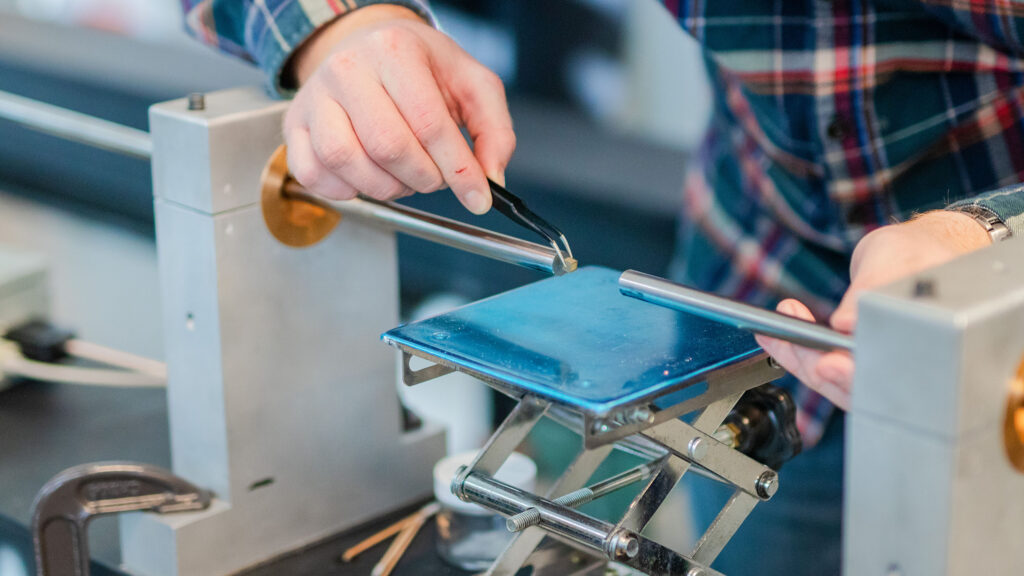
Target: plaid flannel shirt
x=832, y=118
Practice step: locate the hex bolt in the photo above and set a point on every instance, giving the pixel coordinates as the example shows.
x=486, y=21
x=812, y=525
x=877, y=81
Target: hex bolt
x=196, y=101
x=697, y=449
x=767, y=484
x=625, y=545
x=924, y=288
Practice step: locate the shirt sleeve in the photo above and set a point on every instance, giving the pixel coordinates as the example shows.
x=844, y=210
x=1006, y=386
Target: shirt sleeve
x=266, y=32
x=1006, y=203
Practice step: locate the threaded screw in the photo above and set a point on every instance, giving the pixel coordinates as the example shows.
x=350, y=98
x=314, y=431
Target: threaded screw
x=531, y=516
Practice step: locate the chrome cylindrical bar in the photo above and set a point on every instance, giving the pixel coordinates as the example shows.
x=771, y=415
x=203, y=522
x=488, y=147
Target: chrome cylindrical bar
x=445, y=231
x=559, y=520
x=75, y=126
x=671, y=295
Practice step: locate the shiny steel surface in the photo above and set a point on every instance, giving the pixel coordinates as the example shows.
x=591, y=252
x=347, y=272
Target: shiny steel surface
x=576, y=341
x=445, y=231
x=71, y=125
x=671, y=295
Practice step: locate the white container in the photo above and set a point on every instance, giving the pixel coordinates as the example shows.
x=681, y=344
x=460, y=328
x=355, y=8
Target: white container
x=471, y=537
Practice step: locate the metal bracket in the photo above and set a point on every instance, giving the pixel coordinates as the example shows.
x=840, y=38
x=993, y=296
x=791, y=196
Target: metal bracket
x=412, y=377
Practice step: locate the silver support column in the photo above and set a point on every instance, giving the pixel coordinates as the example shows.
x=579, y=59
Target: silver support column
x=930, y=487
x=282, y=400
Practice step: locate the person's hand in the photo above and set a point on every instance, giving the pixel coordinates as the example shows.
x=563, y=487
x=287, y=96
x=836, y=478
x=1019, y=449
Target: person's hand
x=883, y=256
x=382, y=97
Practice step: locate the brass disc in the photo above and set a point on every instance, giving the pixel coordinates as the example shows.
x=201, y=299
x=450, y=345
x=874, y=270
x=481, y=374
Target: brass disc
x=1013, y=426
x=295, y=222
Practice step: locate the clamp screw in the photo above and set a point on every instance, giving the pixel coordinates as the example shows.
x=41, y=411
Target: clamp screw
x=697, y=449
x=197, y=101
x=625, y=545
x=767, y=484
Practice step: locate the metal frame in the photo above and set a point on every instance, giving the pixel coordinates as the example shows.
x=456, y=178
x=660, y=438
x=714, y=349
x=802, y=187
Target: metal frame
x=685, y=447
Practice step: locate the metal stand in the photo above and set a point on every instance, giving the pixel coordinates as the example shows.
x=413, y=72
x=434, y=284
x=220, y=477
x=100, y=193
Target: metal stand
x=675, y=447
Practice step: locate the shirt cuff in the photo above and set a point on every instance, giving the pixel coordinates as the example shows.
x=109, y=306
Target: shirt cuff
x=1006, y=203
x=276, y=35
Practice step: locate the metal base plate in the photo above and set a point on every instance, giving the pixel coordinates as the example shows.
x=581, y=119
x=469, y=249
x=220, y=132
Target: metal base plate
x=575, y=340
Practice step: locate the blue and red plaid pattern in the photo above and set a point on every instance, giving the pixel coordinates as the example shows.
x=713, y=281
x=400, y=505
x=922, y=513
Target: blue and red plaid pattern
x=832, y=118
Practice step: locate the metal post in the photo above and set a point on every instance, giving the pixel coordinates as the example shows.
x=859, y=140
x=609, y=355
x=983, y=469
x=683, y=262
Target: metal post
x=75, y=126
x=676, y=296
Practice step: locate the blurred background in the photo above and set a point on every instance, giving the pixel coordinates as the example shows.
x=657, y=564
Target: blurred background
x=608, y=96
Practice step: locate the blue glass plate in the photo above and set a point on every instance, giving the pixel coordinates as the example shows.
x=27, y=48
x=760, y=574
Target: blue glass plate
x=576, y=341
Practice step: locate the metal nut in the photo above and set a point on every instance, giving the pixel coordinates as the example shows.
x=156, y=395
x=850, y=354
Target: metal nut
x=767, y=484
x=625, y=545
x=697, y=449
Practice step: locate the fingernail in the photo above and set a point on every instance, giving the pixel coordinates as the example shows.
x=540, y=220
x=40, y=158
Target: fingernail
x=477, y=202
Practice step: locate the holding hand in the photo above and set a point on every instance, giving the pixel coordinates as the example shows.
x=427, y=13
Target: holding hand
x=382, y=97
x=884, y=255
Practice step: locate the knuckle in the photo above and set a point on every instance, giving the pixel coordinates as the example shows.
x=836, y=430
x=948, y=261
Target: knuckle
x=387, y=148
x=307, y=175
x=341, y=64
x=427, y=125
x=391, y=37
x=492, y=81
x=336, y=154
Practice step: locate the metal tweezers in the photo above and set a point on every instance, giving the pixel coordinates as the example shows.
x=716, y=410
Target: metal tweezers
x=515, y=209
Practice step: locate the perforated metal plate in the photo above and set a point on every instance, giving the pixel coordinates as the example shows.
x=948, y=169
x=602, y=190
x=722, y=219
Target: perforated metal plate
x=575, y=340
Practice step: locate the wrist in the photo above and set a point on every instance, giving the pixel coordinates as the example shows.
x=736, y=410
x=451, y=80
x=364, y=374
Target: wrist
x=315, y=49
x=959, y=230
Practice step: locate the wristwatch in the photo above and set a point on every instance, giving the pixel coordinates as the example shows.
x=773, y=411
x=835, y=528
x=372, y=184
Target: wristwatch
x=992, y=223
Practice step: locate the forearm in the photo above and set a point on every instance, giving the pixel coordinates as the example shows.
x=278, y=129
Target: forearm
x=270, y=32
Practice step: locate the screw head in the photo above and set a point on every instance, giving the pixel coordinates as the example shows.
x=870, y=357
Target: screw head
x=625, y=545
x=924, y=288
x=697, y=449
x=197, y=101
x=767, y=484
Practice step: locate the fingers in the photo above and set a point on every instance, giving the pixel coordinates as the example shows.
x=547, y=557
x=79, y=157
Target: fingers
x=340, y=151
x=310, y=172
x=828, y=373
x=480, y=96
x=418, y=98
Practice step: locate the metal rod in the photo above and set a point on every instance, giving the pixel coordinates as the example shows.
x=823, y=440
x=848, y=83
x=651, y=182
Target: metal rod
x=560, y=520
x=671, y=295
x=577, y=498
x=444, y=231
x=75, y=126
